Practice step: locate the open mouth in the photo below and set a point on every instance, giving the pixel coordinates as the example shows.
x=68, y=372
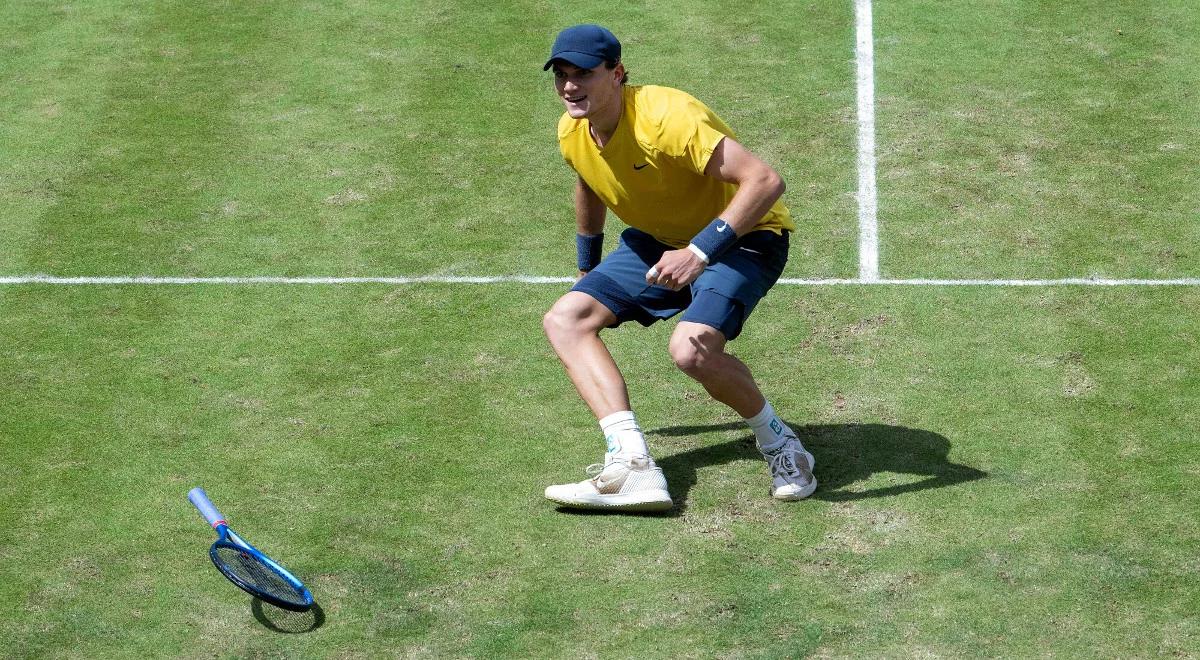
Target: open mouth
x=576, y=99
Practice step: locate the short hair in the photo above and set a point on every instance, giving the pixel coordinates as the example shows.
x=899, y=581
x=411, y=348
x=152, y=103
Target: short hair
x=612, y=64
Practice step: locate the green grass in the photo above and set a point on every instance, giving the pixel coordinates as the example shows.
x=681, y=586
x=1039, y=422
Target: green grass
x=1029, y=139
x=366, y=138
x=987, y=488
x=1004, y=471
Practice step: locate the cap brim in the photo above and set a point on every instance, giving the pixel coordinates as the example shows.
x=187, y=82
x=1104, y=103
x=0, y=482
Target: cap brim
x=581, y=60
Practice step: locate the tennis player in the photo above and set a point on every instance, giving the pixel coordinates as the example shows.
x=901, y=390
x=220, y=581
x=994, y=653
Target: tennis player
x=707, y=236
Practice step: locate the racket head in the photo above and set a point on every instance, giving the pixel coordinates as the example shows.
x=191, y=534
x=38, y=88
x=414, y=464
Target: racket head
x=257, y=574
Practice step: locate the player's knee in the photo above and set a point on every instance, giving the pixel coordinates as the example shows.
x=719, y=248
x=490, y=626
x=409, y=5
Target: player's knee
x=689, y=355
x=555, y=323
x=567, y=318
x=698, y=351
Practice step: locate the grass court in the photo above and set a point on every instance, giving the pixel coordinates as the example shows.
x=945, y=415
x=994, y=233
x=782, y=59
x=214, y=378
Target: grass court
x=1005, y=470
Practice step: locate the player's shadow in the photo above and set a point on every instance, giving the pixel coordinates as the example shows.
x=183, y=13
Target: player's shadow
x=287, y=621
x=845, y=454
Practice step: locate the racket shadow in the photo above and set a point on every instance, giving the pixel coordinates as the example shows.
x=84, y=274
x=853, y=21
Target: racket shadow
x=287, y=621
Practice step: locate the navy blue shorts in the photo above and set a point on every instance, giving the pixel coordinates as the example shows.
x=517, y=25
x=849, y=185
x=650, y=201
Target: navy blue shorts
x=722, y=297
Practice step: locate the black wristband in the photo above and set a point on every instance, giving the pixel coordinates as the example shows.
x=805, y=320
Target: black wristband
x=588, y=250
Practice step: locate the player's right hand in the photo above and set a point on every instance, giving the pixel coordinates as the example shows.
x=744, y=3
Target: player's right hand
x=676, y=269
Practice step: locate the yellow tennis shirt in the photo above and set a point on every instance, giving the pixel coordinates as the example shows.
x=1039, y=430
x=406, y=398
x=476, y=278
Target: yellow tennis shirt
x=651, y=172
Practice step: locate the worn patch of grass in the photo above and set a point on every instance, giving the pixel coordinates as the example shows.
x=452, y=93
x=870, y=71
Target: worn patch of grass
x=972, y=501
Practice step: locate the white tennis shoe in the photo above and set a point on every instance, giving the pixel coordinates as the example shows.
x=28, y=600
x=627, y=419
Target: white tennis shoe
x=623, y=484
x=791, y=470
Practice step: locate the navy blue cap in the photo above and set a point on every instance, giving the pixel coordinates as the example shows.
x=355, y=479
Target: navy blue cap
x=585, y=46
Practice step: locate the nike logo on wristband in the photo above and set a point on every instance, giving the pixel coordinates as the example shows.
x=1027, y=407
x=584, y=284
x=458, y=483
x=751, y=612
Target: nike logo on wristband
x=723, y=227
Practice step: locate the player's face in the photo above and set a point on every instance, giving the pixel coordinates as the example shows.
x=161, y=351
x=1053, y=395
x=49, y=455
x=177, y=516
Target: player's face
x=588, y=92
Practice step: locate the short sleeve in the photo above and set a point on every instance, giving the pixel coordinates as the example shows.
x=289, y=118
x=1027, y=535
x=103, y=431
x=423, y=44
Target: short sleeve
x=691, y=133
x=704, y=142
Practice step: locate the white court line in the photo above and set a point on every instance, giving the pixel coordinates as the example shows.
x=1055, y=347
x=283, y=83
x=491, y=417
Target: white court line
x=868, y=226
x=868, y=254
x=535, y=279
x=419, y=279
x=1069, y=281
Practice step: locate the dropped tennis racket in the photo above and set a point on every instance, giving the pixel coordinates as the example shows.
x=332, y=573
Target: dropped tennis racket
x=247, y=567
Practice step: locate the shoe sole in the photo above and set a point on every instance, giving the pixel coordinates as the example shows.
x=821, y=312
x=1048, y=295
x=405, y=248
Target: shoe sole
x=792, y=497
x=660, y=501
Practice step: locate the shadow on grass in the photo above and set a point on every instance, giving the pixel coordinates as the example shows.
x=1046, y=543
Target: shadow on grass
x=286, y=621
x=845, y=453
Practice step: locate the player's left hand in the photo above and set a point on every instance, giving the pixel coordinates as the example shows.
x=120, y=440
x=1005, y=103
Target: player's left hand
x=676, y=269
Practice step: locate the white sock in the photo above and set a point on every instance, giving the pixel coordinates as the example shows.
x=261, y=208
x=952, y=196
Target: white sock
x=769, y=430
x=623, y=435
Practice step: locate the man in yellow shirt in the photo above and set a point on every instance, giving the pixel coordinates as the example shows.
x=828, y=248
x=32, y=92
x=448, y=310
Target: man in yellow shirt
x=707, y=236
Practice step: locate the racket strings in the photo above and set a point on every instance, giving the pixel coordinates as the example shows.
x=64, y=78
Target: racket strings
x=258, y=575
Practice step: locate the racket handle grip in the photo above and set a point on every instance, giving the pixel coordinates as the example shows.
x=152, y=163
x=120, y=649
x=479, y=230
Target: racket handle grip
x=200, y=500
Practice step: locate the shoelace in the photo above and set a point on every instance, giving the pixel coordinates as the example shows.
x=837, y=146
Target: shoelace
x=595, y=469
x=783, y=462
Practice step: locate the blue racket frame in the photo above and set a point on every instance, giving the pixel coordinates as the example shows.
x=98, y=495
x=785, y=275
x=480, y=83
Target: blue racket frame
x=227, y=538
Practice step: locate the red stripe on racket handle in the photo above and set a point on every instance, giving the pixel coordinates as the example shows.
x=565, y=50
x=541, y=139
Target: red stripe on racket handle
x=200, y=500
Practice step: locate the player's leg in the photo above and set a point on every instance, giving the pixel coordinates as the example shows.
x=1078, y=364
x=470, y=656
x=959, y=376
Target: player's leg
x=628, y=479
x=723, y=297
x=573, y=327
x=699, y=351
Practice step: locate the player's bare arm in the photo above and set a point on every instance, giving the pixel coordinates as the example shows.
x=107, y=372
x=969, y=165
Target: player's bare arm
x=590, y=212
x=759, y=187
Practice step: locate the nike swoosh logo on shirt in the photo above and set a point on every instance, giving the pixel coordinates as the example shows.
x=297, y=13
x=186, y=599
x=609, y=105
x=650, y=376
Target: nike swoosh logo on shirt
x=638, y=167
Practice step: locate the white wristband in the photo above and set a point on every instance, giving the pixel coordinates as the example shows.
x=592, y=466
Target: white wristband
x=698, y=252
